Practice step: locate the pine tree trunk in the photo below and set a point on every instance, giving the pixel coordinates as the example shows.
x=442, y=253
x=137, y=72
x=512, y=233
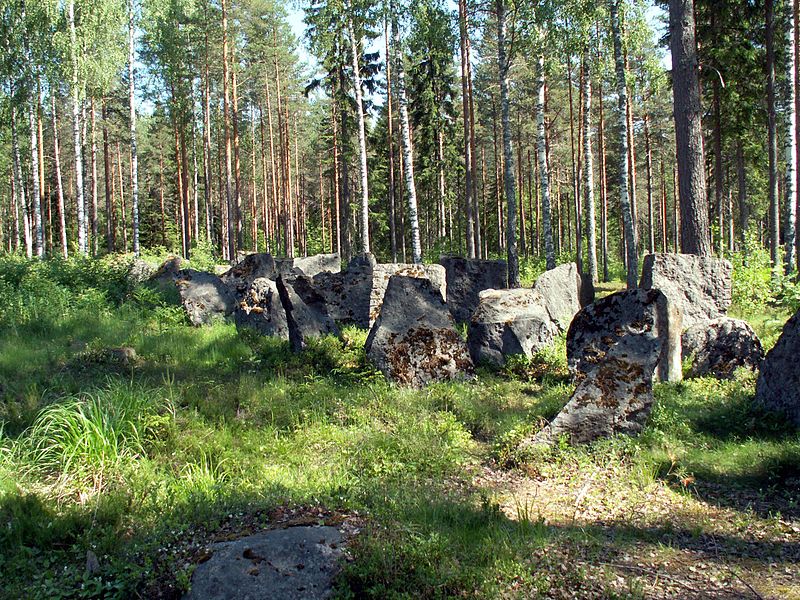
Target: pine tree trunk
x=76, y=131
x=62, y=224
x=694, y=229
x=651, y=228
x=95, y=187
x=207, y=184
x=544, y=178
x=508, y=155
x=772, y=144
x=228, y=226
x=111, y=241
x=468, y=173
x=719, y=197
x=603, y=182
x=273, y=166
x=134, y=149
x=237, y=164
x=791, y=191
x=632, y=256
x=408, y=151
x=123, y=207
x=588, y=171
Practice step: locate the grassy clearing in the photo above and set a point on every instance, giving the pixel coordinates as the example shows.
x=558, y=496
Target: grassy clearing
x=212, y=432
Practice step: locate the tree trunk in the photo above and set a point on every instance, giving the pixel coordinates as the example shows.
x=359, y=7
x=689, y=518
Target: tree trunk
x=38, y=236
x=408, y=151
x=651, y=227
x=503, y=63
x=111, y=241
x=588, y=171
x=772, y=144
x=62, y=224
x=123, y=207
x=468, y=174
x=237, y=164
x=132, y=106
x=575, y=172
x=362, y=136
x=544, y=178
x=390, y=143
x=632, y=257
x=791, y=152
x=230, y=247
x=694, y=234
x=76, y=131
x=603, y=182
x=95, y=187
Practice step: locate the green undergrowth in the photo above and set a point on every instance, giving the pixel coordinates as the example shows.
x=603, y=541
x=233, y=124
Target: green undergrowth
x=129, y=458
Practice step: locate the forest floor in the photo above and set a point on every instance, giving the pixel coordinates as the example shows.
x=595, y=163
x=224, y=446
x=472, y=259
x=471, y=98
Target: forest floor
x=210, y=434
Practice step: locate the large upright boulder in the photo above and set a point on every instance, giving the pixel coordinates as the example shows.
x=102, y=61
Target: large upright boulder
x=414, y=341
x=383, y=272
x=778, y=385
x=347, y=293
x=509, y=322
x=204, y=296
x=306, y=316
x=310, y=265
x=719, y=347
x=260, y=309
x=355, y=295
x=252, y=266
x=564, y=293
x=600, y=326
x=466, y=278
x=625, y=337
x=699, y=286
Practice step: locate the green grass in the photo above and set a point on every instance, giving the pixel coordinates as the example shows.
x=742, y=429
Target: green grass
x=211, y=429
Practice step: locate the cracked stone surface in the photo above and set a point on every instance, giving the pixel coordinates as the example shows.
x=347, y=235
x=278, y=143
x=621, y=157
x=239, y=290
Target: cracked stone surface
x=284, y=564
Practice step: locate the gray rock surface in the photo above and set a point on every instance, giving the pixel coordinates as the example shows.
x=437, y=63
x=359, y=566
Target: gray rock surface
x=382, y=273
x=719, y=347
x=414, y=341
x=355, y=295
x=778, y=385
x=466, y=278
x=699, y=286
x=306, y=314
x=622, y=341
x=259, y=308
x=564, y=293
x=601, y=325
x=140, y=271
x=251, y=267
x=347, y=293
x=298, y=563
x=204, y=296
x=310, y=265
x=509, y=322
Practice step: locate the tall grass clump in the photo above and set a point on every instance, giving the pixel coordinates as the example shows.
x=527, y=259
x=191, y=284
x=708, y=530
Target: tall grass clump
x=84, y=443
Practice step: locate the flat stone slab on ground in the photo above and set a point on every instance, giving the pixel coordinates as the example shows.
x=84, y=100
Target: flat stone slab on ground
x=284, y=564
